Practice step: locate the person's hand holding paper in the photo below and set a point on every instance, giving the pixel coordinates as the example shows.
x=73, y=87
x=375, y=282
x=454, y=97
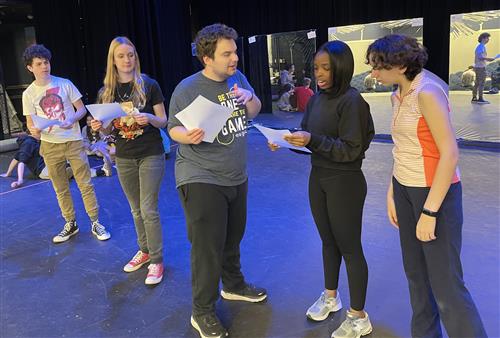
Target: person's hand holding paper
x=277, y=138
x=205, y=115
x=106, y=112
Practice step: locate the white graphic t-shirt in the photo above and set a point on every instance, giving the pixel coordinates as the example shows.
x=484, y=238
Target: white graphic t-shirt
x=53, y=101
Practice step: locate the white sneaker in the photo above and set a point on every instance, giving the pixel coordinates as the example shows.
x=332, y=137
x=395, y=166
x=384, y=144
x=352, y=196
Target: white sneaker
x=353, y=327
x=323, y=307
x=107, y=171
x=100, y=231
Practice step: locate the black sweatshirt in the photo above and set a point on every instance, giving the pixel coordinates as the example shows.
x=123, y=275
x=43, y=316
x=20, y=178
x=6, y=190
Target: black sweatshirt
x=341, y=129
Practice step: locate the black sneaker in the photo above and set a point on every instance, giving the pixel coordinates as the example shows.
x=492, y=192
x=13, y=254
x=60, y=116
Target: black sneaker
x=208, y=326
x=250, y=293
x=482, y=101
x=70, y=229
x=474, y=100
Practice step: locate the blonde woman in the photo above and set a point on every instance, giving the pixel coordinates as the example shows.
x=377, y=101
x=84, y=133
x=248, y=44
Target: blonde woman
x=140, y=157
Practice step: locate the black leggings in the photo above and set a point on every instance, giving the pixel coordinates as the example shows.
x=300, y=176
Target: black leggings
x=337, y=198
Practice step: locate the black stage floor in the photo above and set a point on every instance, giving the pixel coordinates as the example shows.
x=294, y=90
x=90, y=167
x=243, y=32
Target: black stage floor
x=78, y=288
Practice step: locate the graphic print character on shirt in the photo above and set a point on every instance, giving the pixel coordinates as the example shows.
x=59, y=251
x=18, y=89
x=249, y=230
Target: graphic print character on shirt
x=52, y=105
x=236, y=124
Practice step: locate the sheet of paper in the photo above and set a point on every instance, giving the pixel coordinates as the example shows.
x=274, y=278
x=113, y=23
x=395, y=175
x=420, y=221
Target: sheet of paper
x=106, y=112
x=276, y=136
x=205, y=114
x=43, y=123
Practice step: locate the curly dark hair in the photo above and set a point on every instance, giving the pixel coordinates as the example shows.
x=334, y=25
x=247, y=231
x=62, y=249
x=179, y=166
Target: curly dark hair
x=207, y=37
x=397, y=50
x=35, y=51
x=483, y=36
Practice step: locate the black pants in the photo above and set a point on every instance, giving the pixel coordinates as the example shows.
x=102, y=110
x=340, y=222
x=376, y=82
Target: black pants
x=434, y=269
x=216, y=219
x=337, y=198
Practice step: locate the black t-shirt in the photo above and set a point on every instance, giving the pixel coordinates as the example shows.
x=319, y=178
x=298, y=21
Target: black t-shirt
x=29, y=154
x=135, y=141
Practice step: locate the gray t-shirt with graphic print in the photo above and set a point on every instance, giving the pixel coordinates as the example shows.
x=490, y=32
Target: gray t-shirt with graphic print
x=224, y=161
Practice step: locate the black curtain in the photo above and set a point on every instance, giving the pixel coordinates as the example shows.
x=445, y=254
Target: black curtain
x=258, y=75
x=79, y=33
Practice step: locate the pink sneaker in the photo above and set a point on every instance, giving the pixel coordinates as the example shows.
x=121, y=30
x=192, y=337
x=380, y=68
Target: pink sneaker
x=155, y=274
x=137, y=261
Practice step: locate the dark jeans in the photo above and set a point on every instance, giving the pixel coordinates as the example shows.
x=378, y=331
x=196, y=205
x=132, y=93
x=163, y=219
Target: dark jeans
x=433, y=269
x=216, y=219
x=337, y=198
x=479, y=83
x=141, y=180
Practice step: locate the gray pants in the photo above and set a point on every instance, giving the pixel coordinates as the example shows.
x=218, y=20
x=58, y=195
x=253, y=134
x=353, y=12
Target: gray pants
x=141, y=180
x=479, y=84
x=433, y=269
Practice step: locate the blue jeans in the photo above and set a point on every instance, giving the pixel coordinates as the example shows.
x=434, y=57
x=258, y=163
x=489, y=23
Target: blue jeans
x=434, y=269
x=141, y=180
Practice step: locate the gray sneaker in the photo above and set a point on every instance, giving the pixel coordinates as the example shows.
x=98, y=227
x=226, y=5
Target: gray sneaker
x=100, y=231
x=353, y=327
x=323, y=307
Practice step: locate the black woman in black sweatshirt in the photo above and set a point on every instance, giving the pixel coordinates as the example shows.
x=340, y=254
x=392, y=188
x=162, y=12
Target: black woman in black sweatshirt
x=338, y=128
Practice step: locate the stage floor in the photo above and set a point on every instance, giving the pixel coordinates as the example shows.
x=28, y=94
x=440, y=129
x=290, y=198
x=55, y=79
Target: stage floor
x=472, y=122
x=78, y=288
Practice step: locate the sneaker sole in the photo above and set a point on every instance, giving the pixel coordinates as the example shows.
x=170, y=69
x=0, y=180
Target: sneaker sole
x=233, y=296
x=101, y=238
x=153, y=281
x=197, y=328
x=135, y=268
x=64, y=239
x=367, y=332
x=322, y=318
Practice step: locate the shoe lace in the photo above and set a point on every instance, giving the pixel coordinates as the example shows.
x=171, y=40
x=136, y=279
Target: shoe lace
x=211, y=320
x=99, y=228
x=154, y=269
x=354, y=323
x=67, y=228
x=138, y=257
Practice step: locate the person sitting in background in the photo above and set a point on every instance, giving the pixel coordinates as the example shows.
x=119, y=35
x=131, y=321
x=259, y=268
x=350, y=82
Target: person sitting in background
x=284, y=101
x=286, y=76
x=96, y=143
x=468, y=78
x=370, y=83
x=303, y=94
x=28, y=155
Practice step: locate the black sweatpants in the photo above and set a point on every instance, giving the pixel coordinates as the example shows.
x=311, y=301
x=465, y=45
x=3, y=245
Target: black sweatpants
x=337, y=198
x=434, y=269
x=216, y=219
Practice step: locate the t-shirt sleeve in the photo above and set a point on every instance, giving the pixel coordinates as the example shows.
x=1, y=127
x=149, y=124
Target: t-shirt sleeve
x=156, y=94
x=174, y=107
x=244, y=82
x=28, y=105
x=73, y=92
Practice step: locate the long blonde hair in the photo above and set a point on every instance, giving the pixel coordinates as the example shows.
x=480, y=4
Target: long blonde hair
x=107, y=93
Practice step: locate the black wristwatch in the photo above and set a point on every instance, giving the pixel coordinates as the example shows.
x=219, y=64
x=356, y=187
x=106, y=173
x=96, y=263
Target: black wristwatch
x=429, y=212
